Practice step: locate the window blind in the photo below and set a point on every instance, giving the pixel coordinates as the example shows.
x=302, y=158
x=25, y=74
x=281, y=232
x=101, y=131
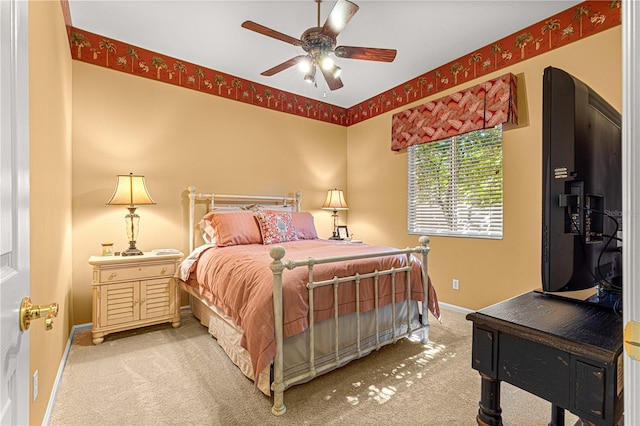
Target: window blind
x=455, y=186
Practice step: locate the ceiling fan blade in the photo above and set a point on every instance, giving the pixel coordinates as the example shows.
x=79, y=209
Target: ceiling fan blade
x=283, y=66
x=334, y=83
x=365, y=53
x=340, y=15
x=261, y=29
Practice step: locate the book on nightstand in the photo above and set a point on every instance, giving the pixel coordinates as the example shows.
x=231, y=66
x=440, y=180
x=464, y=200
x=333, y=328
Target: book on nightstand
x=164, y=252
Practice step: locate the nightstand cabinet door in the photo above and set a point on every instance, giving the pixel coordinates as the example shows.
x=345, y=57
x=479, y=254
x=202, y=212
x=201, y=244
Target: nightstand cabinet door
x=155, y=298
x=119, y=303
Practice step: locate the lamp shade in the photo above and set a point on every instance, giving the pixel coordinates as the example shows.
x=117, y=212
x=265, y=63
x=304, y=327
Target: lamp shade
x=130, y=190
x=335, y=200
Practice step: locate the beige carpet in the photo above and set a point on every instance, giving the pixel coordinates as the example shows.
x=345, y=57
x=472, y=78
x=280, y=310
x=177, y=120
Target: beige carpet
x=165, y=376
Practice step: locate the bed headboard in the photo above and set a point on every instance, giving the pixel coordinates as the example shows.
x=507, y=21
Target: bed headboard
x=223, y=200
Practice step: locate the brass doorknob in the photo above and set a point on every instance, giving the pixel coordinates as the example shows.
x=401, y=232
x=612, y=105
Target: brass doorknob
x=29, y=312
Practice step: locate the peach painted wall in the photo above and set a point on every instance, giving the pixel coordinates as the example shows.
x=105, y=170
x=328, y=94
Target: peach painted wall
x=50, y=193
x=178, y=137
x=488, y=270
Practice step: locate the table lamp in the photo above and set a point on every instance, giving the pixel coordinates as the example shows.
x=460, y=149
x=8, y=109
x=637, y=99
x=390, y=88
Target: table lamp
x=131, y=191
x=335, y=201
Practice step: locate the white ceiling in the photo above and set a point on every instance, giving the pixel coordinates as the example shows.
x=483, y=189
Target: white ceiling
x=426, y=34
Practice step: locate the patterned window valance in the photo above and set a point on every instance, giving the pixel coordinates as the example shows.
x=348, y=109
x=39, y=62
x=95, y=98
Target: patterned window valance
x=484, y=105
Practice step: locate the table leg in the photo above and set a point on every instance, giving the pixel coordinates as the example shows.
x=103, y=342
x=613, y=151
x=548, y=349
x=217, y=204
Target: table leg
x=557, y=416
x=489, y=413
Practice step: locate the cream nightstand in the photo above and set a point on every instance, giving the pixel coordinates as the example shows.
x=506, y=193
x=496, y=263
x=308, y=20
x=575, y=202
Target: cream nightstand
x=134, y=291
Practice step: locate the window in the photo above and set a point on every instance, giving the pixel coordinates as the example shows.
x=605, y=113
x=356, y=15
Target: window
x=455, y=186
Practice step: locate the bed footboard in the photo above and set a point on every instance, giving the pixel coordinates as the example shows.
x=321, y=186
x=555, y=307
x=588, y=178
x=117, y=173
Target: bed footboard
x=278, y=266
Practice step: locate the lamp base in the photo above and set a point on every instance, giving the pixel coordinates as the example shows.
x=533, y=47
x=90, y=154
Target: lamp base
x=132, y=250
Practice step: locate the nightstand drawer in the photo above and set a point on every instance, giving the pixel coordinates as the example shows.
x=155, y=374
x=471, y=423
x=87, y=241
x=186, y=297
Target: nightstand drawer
x=134, y=272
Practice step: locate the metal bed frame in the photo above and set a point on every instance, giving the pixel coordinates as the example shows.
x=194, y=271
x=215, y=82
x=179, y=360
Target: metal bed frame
x=278, y=266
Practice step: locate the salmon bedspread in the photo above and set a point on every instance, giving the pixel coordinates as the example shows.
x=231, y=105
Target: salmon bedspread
x=238, y=280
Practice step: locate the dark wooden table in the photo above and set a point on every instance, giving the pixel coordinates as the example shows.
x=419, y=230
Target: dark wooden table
x=566, y=352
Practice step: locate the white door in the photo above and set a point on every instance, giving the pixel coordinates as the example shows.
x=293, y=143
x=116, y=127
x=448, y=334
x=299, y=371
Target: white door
x=631, y=202
x=14, y=210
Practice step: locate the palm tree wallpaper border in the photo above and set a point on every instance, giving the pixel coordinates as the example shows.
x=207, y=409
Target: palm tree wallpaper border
x=573, y=24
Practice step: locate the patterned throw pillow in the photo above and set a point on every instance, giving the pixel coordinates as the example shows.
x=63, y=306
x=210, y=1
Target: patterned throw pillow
x=303, y=224
x=276, y=227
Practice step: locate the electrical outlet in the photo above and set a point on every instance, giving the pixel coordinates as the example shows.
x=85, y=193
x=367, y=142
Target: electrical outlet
x=35, y=385
x=456, y=284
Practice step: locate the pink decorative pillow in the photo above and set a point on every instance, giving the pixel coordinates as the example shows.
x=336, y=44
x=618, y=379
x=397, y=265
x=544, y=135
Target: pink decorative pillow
x=234, y=228
x=276, y=227
x=304, y=225
x=208, y=233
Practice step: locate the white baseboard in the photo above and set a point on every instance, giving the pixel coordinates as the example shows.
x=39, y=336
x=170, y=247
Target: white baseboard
x=63, y=362
x=455, y=308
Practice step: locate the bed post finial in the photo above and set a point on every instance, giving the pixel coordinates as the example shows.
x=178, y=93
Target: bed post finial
x=277, y=252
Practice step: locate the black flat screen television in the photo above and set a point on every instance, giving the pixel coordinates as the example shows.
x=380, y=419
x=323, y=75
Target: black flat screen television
x=581, y=192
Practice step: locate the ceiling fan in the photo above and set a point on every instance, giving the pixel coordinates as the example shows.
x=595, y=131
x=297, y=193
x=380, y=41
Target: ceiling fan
x=318, y=42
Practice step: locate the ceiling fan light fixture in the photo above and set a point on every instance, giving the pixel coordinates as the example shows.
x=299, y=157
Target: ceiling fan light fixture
x=305, y=65
x=327, y=63
x=310, y=76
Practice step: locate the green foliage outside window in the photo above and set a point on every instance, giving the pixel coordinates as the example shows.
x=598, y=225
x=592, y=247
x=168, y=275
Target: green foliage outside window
x=455, y=185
